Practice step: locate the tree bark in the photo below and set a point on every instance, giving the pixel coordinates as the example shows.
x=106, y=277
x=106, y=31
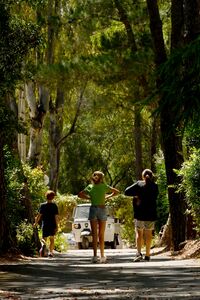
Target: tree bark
x=55, y=133
x=37, y=115
x=177, y=21
x=192, y=19
x=155, y=134
x=138, y=143
x=22, y=117
x=172, y=142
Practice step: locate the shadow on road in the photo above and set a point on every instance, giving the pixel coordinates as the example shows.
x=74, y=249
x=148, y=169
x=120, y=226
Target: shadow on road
x=73, y=274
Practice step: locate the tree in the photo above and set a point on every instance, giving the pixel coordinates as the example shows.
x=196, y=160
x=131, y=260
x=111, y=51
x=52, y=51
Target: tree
x=174, y=97
x=171, y=139
x=15, y=41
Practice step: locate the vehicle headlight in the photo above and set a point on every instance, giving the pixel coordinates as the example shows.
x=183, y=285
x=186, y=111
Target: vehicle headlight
x=86, y=225
x=77, y=226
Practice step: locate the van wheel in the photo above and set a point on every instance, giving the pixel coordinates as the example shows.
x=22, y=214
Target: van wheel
x=85, y=243
x=114, y=243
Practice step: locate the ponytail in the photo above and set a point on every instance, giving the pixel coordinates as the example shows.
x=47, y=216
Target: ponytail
x=147, y=175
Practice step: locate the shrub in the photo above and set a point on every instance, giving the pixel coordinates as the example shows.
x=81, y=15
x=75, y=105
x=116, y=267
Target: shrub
x=190, y=184
x=61, y=244
x=123, y=209
x=25, y=238
x=66, y=204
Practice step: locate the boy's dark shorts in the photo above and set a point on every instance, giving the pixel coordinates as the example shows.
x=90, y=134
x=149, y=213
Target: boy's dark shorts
x=48, y=231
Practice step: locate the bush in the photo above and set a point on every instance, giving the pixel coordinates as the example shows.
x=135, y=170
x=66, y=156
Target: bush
x=190, y=185
x=61, y=244
x=25, y=238
x=123, y=210
x=36, y=185
x=66, y=204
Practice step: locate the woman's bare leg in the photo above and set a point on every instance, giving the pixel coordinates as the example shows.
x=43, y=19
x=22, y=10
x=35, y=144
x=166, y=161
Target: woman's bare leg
x=102, y=226
x=148, y=239
x=139, y=239
x=93, y=224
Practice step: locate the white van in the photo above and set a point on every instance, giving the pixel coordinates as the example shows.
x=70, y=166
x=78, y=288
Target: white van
x=82, y=230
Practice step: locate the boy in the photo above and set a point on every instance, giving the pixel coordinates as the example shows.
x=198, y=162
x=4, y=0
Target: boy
x=48, y=213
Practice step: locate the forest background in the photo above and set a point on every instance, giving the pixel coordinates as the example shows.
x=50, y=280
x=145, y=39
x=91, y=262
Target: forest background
x=90, y=84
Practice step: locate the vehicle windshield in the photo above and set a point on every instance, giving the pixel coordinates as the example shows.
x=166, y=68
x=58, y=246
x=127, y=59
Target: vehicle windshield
x=81, y=212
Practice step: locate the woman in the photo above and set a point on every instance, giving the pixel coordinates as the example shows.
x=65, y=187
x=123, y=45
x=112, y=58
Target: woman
x=144, y=194
x=97, y=192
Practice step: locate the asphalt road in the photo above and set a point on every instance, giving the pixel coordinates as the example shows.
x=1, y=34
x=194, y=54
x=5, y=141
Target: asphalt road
x=72, y=276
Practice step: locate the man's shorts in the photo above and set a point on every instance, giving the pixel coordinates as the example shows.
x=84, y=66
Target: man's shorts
x=98, y=213
x=149, y=225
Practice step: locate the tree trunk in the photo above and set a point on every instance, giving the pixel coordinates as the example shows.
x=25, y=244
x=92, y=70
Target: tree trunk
x=166, y=235
x=172, y=146
x=172, y=143
x=177, y=21
x=192, y=19
x=22, y=117
x=55, y=133
x=155, y=133
x=37, y=114
x=138, y=143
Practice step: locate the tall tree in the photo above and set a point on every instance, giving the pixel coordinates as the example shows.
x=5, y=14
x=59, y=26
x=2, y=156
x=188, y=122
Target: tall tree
x=171, y=137
x=16, y=39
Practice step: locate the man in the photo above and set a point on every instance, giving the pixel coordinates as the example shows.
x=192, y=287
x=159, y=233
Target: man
x=48, y=214
x=144, y=194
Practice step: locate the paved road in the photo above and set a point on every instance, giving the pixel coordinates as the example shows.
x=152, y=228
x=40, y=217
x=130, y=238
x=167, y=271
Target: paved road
x=72, y=276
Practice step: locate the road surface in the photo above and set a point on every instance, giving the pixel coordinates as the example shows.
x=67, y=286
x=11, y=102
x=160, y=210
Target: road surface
x=72, y=276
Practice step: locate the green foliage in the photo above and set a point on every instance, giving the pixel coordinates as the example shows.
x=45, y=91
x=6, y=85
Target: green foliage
x=16, y=39
x=192, y=135
x=123, y=209
x=37, y=187
x=190, y=184
x=25, y=238
x=79, y=158
x=66, y=204
x=14, y=179
x=60, y=243
x=14, y=175
x=181, y=89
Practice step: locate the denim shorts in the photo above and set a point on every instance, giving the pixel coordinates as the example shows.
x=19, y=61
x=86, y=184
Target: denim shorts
x=98, y=213
x=149, y=225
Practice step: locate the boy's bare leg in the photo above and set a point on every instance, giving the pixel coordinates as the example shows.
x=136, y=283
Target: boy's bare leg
x=51, y=246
